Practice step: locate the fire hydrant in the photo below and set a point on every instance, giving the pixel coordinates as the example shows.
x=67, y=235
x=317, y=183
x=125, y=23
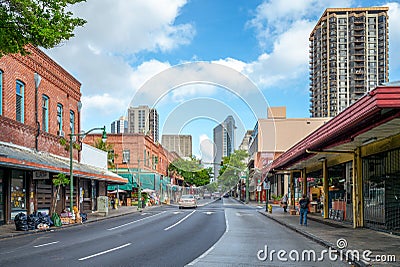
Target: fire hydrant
x=269, y=208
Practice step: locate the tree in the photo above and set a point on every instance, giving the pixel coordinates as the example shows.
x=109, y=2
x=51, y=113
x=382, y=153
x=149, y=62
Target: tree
x=191, y=171
x=109, y=148
x=61, y=180
x=42, y=23
x=230, y=169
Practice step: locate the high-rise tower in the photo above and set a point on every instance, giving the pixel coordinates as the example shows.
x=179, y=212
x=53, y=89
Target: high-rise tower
x=143, y=119
x=348, y=57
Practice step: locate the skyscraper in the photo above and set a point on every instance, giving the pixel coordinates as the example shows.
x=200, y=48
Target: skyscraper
x=179, y=143
x=119, y=126
x=143, y=119
x=224, y=141
x=348, y=57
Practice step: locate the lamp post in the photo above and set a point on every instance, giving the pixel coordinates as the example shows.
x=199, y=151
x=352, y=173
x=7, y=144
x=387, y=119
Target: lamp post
x=71, y=173
x=139, y=188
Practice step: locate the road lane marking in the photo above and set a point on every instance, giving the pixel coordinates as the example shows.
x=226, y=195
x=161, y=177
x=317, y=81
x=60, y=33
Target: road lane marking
x=184, y=218
x=116, y=227
x=104, y=252
x=208, y=212
x=195, y=261
x=47, y=244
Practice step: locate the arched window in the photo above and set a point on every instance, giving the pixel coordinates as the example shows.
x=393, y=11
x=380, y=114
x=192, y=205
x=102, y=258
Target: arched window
x=72, y=122
x=19, y=106
x=45, y=113
x=60, y=119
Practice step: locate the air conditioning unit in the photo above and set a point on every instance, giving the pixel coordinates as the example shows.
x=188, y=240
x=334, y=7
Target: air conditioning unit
x=61, y=133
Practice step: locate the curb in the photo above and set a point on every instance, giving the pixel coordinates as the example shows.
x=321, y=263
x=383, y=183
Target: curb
x=54, y=228
x=310, y=236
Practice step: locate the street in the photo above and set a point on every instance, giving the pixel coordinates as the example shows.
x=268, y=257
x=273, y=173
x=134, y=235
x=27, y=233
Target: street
x=221, y=233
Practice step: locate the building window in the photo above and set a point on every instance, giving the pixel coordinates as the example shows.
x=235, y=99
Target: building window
x=59, y=118
x=126, y=156
x=19, y=108
x=1, y=94
x=72, y=122
x=45, y=113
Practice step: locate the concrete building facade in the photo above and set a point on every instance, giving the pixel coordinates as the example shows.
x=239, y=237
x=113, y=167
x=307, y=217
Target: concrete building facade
x=181, y=144
x=224, y=141
x=143, y=119
x=119, y=126
x=349, y=56
x=272, y=137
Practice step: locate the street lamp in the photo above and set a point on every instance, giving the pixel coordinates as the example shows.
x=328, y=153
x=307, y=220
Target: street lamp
x=71, y=173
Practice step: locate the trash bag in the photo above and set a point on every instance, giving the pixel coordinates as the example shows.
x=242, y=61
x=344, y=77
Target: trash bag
x=45, y=219
x=83, y=216
x=33, y=221
x=56, y=220
x=21, y=222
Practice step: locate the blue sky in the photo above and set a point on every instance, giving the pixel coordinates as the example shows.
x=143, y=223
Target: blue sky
x=126, y=44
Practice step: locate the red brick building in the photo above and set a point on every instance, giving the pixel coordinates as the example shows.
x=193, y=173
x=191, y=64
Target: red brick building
x=137, y=153
x=39, y=107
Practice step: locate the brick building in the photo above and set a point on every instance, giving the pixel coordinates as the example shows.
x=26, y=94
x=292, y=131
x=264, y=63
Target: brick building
x=39, y=107
x=137, y=155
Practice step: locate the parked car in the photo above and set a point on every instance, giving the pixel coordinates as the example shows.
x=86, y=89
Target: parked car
x=206, y=195
x=216, y=195
x=187, y=201
x=197, y=196
x=226, y=194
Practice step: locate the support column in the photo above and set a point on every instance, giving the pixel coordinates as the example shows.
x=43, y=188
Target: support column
x=292, y=193
x=358, y=201
x=304, y=176
x=326, y=188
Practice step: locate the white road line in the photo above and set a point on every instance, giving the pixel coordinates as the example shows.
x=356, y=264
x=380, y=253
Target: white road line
x=116, y=227
x=104, y=252
x=184, y=218
x=211, y=248
x=47, y=244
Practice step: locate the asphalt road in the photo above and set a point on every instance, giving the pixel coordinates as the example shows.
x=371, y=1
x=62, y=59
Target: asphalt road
x=222, y=233
x=163, y=236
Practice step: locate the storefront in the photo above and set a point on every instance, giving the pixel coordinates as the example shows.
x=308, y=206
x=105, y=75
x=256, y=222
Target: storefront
x=381, y=190
x=355, y=160
x=26, y=183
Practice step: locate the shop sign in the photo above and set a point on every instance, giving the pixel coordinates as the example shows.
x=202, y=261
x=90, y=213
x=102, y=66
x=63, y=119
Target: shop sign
x=40, y=175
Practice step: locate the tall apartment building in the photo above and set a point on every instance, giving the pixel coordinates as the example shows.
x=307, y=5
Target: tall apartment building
x=119, y=126
x=348, y=57
x=181, y=144
x=143, y=119
x=224, y=141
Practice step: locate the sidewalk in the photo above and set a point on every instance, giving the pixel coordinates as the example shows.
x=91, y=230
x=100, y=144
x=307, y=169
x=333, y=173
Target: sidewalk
x=8, y=230
x=328, y=233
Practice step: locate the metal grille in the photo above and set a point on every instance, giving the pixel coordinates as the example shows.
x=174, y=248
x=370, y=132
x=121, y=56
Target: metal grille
x=381, y=191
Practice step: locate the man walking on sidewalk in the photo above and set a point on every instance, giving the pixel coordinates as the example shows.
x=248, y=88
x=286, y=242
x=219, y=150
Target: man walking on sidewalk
x=303, y=203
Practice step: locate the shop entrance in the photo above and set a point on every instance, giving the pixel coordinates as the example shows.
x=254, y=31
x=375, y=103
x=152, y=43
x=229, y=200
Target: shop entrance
x=18, y=193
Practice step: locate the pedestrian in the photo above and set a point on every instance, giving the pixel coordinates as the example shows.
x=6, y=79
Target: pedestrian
x=113, y=203
x=284, y=202
x=303, y=203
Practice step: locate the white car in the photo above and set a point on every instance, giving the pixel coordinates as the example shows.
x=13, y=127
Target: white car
x=187, y=201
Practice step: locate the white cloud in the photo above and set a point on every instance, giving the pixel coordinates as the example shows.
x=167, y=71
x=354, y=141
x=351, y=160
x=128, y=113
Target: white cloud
x=101, y=54
x=274, y=17
x=288, y=59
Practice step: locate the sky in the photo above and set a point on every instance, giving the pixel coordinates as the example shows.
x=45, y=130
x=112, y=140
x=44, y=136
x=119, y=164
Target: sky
x=198, y=61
